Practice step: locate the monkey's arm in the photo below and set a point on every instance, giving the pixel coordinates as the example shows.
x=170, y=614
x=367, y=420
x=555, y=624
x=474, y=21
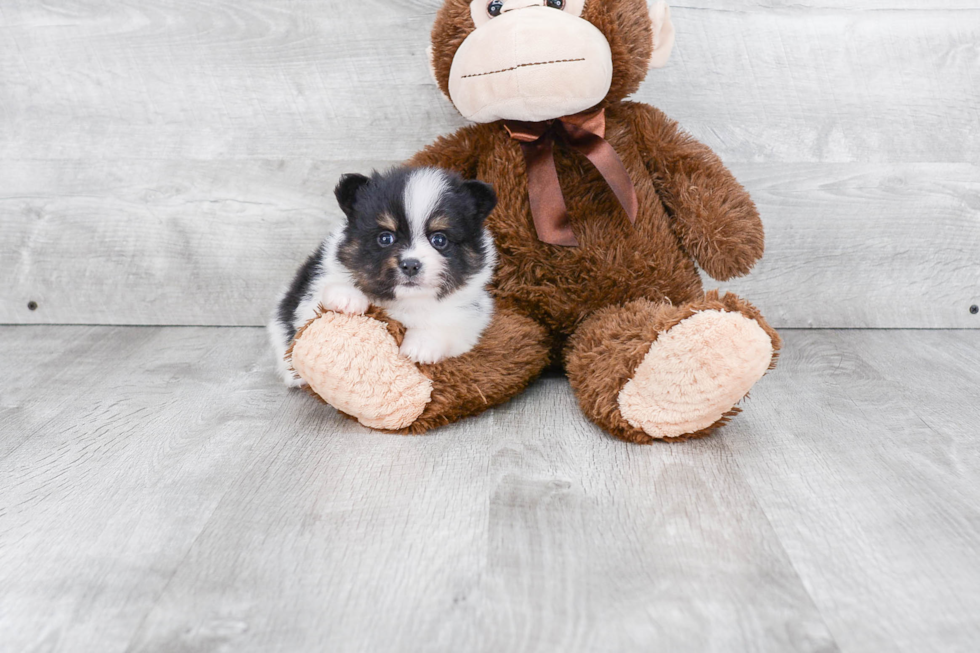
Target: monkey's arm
x=457, y=152
x=713, y=215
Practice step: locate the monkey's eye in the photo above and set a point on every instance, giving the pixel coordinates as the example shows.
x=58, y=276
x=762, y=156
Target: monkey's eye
x=495, y=7
x=556, y=4
x=439, y=240
x=386, y=239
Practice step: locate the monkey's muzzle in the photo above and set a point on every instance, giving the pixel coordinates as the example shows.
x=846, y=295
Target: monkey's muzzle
x=533, y=64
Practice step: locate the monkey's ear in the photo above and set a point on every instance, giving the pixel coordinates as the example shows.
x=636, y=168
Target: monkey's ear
x=431, y=56
x=346, y=192
x=484, y=196
x=663, y=34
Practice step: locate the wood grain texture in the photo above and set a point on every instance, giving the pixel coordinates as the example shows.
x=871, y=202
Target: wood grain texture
x=189, y=80
x=105, y=493
x=803, y=6
x=866, y=246
x=160, y=242
x=168, y=162
x=187, y=502
x=29, y=371
x=857, y=245
x=525, y=531
x=182, y=501
x=870, y=475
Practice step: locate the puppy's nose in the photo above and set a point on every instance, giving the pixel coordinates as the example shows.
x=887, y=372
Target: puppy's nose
x=411, y=266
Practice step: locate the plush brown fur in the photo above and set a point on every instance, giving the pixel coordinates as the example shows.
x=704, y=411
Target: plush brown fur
x=507, y=359
x=691, y=209
x=598, y=307
x=606, y=350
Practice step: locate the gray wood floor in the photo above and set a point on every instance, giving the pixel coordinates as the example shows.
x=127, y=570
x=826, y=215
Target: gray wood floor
x=160, y=492
x=170, y=162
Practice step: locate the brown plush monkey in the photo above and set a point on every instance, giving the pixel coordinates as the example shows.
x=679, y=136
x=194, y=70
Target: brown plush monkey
x=605, y=208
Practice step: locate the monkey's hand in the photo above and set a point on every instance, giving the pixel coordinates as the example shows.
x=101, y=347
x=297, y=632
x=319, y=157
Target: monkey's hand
x=713, y=215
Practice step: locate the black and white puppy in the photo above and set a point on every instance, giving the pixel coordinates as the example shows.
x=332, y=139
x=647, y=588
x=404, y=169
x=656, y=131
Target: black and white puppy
x=414, y=244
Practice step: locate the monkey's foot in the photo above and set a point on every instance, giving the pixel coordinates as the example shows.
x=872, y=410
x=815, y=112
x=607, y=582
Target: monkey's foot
x=695, y=373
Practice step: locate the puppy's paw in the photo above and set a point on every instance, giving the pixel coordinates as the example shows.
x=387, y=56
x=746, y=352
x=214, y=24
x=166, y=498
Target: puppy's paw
x=344, y=299
x=423, y=347
x=292, y=380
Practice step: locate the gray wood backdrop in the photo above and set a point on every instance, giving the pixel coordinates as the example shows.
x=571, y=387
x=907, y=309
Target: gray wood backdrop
x=171, y=161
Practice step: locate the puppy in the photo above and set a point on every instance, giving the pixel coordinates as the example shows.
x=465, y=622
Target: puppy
x=414, y=244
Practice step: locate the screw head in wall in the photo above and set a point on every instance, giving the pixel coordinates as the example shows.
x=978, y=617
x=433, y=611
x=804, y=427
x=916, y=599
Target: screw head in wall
x=32, y=306
x=974, y=309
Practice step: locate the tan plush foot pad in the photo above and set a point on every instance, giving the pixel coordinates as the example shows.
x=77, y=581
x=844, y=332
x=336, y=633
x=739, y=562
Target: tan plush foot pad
x=695, y=373
x=352, y=363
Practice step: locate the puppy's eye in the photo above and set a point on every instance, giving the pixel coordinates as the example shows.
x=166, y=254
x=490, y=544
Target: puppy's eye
x=495, y=7
x=556, y=4
x=439, y=240
x=386, y=239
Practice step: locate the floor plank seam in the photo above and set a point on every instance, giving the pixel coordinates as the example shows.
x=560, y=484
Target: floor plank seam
x=782, y=546
x=163, y=590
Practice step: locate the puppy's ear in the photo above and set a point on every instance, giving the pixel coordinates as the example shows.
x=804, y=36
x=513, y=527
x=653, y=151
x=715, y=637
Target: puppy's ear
x=483, y=196
x=347, y=190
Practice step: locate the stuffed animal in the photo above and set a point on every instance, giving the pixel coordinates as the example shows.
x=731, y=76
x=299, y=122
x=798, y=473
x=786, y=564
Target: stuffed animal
x=606, y=210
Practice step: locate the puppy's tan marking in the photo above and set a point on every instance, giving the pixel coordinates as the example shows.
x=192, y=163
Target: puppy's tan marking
x=347, y=250
x=387, y=221
x=440, y=223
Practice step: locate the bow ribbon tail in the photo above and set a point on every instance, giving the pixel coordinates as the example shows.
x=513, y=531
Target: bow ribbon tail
x=547, y=202
x=604, y=157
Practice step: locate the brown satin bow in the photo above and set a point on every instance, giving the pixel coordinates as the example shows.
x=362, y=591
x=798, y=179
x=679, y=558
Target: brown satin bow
x=586, y=133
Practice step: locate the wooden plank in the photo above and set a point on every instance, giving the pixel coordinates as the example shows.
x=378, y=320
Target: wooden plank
x=792, y=82
x=189, y=503
x=856, y=245
x=100, y=504
x=943, y=394
x=288, y=90
x=159, y=242
x=866, y=246
x=790, y=6
x=523, y=530
x=179, y=504
x=43, y=367
x=831, y=86
x=871, y=477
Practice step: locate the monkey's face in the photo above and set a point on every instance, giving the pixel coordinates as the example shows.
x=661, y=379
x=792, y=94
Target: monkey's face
x=536, y=60
x=529, y=60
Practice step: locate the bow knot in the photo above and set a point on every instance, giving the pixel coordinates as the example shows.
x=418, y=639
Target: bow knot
x=584, y=132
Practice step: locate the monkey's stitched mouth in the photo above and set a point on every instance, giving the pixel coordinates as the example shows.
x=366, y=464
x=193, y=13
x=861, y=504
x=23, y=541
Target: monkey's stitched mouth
x=523, y=65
